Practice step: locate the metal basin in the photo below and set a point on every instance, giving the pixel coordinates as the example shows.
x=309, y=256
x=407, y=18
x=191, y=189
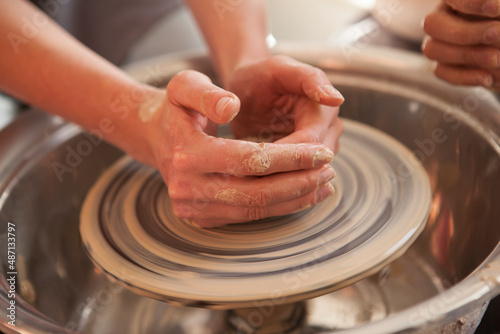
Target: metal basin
x=442, y=283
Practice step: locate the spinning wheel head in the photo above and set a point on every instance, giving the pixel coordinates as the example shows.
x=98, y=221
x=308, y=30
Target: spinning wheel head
x=380, y=206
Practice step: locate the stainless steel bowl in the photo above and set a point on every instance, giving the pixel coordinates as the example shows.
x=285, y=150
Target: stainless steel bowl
x=442, y=283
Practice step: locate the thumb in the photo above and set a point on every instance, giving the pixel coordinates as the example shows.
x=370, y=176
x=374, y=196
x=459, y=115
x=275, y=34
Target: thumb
x=194, y=90
x=304, y=79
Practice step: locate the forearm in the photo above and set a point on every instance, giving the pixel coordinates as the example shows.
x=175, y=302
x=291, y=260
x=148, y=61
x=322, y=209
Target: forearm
x=235, y=31
x=51, y=70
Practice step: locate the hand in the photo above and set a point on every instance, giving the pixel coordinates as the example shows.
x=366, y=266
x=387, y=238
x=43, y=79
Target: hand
x=214, y=181
x=285, y=101
x=465, y=42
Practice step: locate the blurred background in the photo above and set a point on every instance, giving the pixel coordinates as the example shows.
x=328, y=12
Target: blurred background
x=328, y=23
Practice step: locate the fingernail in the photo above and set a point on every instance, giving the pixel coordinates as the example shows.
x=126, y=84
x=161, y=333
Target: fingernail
x=491, y=8
x=324, y=191
x=326, y=175
x=192, y=223
x=494, y=60
x=486, y=81
x=323, y=156
x=329, y=91
x=302, y=208
x=491, y=60
x=425, y=41
x=221, y=105
x=492, y=35
x=488, y=59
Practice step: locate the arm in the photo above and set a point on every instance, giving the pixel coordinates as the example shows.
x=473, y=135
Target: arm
x=210, y=180
x=235, y=32
x=45, y=66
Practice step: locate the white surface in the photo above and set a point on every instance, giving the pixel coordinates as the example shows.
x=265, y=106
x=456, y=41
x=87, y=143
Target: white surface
x=404, y=17
x=8, y=110
x=312, y=22
x=318, y=22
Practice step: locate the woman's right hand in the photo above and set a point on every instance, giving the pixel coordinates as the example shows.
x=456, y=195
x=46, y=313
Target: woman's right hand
x=215, y=181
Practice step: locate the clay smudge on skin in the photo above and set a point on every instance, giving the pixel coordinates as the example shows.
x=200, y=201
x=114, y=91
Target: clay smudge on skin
x=231, y=196
x=260, y=159
x=323, y=156
x=291, y=151
x=259, y=162
x=192, y=223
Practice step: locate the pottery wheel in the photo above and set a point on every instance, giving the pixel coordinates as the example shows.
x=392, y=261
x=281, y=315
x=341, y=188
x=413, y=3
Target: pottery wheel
x=381, y=204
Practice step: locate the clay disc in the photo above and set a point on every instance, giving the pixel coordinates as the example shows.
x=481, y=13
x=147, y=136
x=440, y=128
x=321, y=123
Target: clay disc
x=381, y=204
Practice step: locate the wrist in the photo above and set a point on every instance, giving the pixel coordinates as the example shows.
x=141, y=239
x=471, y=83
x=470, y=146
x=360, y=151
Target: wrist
x=150, y=119
x=134, y=109
x=228, y=67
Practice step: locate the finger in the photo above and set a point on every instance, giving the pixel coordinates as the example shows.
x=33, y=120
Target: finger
x=495, y=74
x=303, y=79
x=332, y=138
x=453, y=29
x=476, y=56
x=311, y=122
x=238, y=157
x=215, y=214
x=194, y=90
x=463, y=76
x=251, y=191
x=487, y=8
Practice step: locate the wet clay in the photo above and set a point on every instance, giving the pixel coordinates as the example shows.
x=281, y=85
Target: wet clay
x=259, y=162
x=368, y=222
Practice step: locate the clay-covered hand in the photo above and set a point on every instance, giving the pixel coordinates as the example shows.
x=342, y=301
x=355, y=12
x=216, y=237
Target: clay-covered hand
x=285, y=101
x=464, y=39
x=215, y=181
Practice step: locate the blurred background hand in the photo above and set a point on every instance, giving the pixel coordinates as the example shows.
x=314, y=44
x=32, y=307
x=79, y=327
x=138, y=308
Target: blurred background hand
x=464, y=39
